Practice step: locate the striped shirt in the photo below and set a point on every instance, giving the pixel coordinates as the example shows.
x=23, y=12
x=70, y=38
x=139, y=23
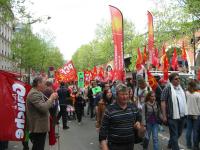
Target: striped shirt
x=117, y=124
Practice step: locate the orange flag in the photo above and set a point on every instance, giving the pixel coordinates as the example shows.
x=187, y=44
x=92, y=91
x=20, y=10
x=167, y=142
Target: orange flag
x=155, y=60
x=174, y=62
x=145, y=55
x=152, y=81
x=139, y=60
x=165, y=67
x=184, y=55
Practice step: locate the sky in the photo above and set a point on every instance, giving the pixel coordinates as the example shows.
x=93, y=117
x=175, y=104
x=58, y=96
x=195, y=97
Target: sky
x=73, y=22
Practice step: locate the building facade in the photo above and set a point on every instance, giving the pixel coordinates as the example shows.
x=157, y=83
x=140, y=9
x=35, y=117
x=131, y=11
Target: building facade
x=6, y=62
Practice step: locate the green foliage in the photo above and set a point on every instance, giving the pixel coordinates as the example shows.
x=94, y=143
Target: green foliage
x=192, y=7
x=170, y=23
x=34, y=52
x=101, y=49
x=171, y=51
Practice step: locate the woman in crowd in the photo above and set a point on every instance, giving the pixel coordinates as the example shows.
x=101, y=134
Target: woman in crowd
x=152, y=120
x=193, y=125
x=107, y=99
x=131, y=95
x=53, y=112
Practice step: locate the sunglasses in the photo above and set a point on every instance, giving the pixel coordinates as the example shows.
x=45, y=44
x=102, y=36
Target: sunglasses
x=176, y=78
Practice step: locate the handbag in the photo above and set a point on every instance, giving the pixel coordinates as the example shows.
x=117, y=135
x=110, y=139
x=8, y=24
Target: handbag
x=139, y=134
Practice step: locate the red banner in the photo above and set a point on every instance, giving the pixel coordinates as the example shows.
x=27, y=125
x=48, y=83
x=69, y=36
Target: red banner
x=150, y=36
x=117, y=30
x=174, y=62
x=184, y=55
x=67, y=73
x=152, y=81
x=144, y=55
x=139, y=60
x=12, y=107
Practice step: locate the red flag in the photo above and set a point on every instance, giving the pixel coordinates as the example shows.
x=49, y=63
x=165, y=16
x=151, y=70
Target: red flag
x=152, y=81
x=117, y=31
x=101, y=73
x=184, y=55
x=139, y=60
x=150, y=36
x=67, y=73
x=144, y=55
x=198, y=74
x=94, y=73
x=13, y=94
x=165, y=67
x=155, y=60
x=174, y=63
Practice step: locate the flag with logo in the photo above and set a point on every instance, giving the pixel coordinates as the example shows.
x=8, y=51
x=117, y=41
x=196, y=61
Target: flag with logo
x=13, y=94
x=117, y=31
x=152, y=81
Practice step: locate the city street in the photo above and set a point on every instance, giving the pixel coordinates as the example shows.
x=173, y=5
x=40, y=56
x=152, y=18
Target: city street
x=84, y=137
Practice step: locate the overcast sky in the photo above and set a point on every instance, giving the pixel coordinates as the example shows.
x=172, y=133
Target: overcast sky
x=73, y=22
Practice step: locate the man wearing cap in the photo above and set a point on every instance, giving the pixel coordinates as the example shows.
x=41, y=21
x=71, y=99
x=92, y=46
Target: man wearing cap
x=119, y=122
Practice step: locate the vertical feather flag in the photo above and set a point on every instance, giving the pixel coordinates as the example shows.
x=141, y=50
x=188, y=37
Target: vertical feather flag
x=174, y=62
x=139, y=60
x=145, y=55
x=152, y=81
x=117, y=31
x=184, y=55
x=150, y=36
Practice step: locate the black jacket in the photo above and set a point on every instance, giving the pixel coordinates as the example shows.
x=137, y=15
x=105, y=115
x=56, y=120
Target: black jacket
x=64, y=96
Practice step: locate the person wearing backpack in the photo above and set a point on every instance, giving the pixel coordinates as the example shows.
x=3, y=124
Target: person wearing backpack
x=139, y=96
x=152, y=115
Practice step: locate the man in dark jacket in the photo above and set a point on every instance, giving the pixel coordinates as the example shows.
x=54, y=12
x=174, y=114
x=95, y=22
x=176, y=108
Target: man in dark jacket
x=64, y=98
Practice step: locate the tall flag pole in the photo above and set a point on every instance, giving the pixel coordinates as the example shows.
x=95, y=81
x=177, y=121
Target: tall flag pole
x=118, y=38
x=150, y=36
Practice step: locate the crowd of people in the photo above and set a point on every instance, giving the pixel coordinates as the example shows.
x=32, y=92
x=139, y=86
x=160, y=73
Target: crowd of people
x=125, y=113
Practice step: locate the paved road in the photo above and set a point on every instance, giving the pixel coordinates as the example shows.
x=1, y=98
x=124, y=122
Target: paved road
x=84, y=137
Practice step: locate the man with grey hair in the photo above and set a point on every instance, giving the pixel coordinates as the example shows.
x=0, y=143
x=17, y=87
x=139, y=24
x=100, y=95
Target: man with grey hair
x=120, y=121
x=37, y=109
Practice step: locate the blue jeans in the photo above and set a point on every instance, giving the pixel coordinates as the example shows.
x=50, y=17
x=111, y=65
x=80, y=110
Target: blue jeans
x=153, y=128
x=196, y=134
x=175, y=129
x=189, y=132
x=192, y=128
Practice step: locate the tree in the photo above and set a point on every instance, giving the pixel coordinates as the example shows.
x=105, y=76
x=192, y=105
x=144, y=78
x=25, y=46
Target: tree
x=170, y=23
x=34, y=52
x=192, y=7
x=101, y=49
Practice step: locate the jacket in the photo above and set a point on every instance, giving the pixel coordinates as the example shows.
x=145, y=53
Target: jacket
x=37, y=111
